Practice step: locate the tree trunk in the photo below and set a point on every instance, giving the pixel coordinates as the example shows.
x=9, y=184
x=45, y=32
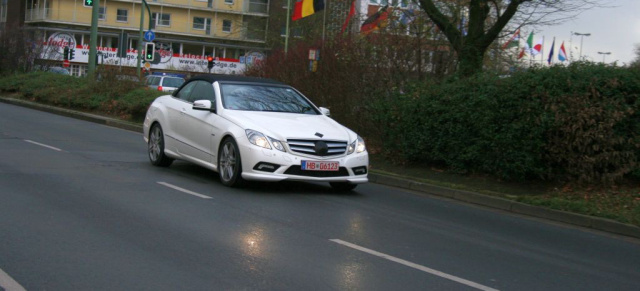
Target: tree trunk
x=471, y=59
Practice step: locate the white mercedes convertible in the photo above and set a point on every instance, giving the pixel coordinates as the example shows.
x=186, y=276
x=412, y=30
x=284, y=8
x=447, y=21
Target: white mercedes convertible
x=253, y=129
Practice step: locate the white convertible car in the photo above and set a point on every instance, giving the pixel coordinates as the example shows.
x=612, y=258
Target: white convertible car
x=253, y=129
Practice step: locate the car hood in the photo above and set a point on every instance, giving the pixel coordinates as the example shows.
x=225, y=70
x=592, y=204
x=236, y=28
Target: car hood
x=285, y=126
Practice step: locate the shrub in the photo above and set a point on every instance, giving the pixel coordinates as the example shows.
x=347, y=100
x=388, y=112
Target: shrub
x=125, y=99
x=577, y=123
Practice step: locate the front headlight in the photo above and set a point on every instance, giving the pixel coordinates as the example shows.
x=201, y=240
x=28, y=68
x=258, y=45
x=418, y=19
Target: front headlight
x=257, y=138
x=357, y=146
x=276, y=144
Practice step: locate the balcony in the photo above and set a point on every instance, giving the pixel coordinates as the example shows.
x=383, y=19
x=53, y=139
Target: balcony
x=254, y=7
x=239, y=31
x=38, y=14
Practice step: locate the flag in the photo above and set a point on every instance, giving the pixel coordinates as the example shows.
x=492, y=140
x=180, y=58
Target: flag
x=562, y=54
x=375, y=21
x=522, y=53
x=352, y=11
x=463, y=26
x=407, y=16
x=537, y=48
x=551, y=51
x=529, y=44
x=513, y=41
x=305, y=8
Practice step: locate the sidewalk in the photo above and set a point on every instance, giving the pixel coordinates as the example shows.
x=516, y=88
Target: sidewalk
x=401, y=181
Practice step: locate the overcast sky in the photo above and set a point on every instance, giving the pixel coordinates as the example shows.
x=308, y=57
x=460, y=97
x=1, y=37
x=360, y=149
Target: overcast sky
x=615, y=30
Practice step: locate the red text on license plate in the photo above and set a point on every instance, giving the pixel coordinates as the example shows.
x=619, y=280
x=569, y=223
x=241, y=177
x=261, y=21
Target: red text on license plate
x=320, y=166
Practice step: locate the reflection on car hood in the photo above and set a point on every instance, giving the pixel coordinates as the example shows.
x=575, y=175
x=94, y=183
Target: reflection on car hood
x=285, y=126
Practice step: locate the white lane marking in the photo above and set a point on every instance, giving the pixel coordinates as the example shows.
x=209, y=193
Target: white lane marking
x=415, y=266
x=184, y=190
x=43, y=145
x=7, y=283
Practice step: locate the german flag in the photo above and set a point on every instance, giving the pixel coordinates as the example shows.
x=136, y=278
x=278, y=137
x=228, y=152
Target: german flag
x=375, y=21
x=305, y=8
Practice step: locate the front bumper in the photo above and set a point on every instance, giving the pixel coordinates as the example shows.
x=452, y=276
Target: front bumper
x=288, y=166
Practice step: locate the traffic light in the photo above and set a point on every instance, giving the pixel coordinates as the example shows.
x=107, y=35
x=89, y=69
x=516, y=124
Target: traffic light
x=210, y=62
x=72, y=54
x=88, y=3
x=65, y=53
x=150, y=51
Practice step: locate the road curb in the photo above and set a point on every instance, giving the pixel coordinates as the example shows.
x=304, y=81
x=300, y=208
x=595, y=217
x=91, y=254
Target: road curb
x=596, y=223
x=75, y=114
x=399, y=182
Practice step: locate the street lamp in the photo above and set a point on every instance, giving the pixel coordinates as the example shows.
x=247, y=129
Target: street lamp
x=604, y=54
x=582, y=35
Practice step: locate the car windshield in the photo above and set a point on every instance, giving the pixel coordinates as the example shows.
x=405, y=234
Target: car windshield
x=264, y=98
x=172, y=82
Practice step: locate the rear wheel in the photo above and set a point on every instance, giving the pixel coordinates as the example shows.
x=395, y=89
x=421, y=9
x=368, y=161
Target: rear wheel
x=230, y=164
x=342, y=186
x=156, y=147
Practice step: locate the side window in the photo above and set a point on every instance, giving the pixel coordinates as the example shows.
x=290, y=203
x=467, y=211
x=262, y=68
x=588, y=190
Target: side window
x=185, y=92
x=155, y=81
x=203, y=91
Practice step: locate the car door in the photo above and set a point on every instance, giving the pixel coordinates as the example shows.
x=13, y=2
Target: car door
x=199, y=127
x=175, y=109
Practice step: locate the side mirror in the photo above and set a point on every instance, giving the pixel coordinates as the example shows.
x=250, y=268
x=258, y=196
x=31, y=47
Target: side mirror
x=325, y=111
x=204, y=105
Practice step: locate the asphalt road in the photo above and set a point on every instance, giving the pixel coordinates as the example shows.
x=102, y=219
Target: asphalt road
x=81, y=208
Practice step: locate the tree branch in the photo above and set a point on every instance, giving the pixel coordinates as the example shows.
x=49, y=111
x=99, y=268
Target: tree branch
x=442, y=22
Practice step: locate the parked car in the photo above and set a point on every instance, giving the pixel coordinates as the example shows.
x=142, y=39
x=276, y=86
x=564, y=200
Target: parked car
x=164, y=82
x=253, y=129
x=59, y=70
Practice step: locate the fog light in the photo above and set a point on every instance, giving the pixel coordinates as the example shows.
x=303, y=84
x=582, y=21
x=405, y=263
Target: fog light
x=359, y=170
x=266, y=167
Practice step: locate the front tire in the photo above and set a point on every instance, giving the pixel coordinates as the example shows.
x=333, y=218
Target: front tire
x=230, y=164
x=342, y=186
x=156, y=147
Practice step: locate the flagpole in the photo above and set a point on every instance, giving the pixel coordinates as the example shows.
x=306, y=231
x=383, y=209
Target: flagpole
x=324, y=20
x=542, y=52
x=286, y=33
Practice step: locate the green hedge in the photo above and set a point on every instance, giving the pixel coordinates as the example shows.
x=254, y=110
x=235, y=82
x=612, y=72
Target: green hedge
x=579, y=122
x=125, y=99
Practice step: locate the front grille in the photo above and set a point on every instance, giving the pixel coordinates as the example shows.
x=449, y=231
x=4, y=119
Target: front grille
x=297, y=170
x=320, y=148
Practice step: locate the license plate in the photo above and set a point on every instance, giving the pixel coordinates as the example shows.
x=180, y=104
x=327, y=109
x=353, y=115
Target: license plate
x=320, y=166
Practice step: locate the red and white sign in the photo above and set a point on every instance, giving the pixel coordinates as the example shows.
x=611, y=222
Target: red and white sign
x=320, y=166
x=65, y=63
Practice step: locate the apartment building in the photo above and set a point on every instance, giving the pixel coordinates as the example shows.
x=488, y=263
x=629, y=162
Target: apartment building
x=234, y=31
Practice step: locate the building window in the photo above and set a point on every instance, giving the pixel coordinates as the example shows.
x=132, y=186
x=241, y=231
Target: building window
x=293, y=32
x=230, y=2
x=161, y=19
x=226, y=25
x=102, y=13
x=202, y=23
x=199, y=22
x=3, y=11
x=122, y=15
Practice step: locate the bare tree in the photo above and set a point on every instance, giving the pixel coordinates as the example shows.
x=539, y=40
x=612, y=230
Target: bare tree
x=18, y=51
x=636, y=61
x=488, y=18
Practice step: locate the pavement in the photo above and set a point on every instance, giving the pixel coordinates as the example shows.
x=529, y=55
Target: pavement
x=400, y=181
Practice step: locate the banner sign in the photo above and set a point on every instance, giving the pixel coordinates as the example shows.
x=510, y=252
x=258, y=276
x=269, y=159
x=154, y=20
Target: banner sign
x=53, y=48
